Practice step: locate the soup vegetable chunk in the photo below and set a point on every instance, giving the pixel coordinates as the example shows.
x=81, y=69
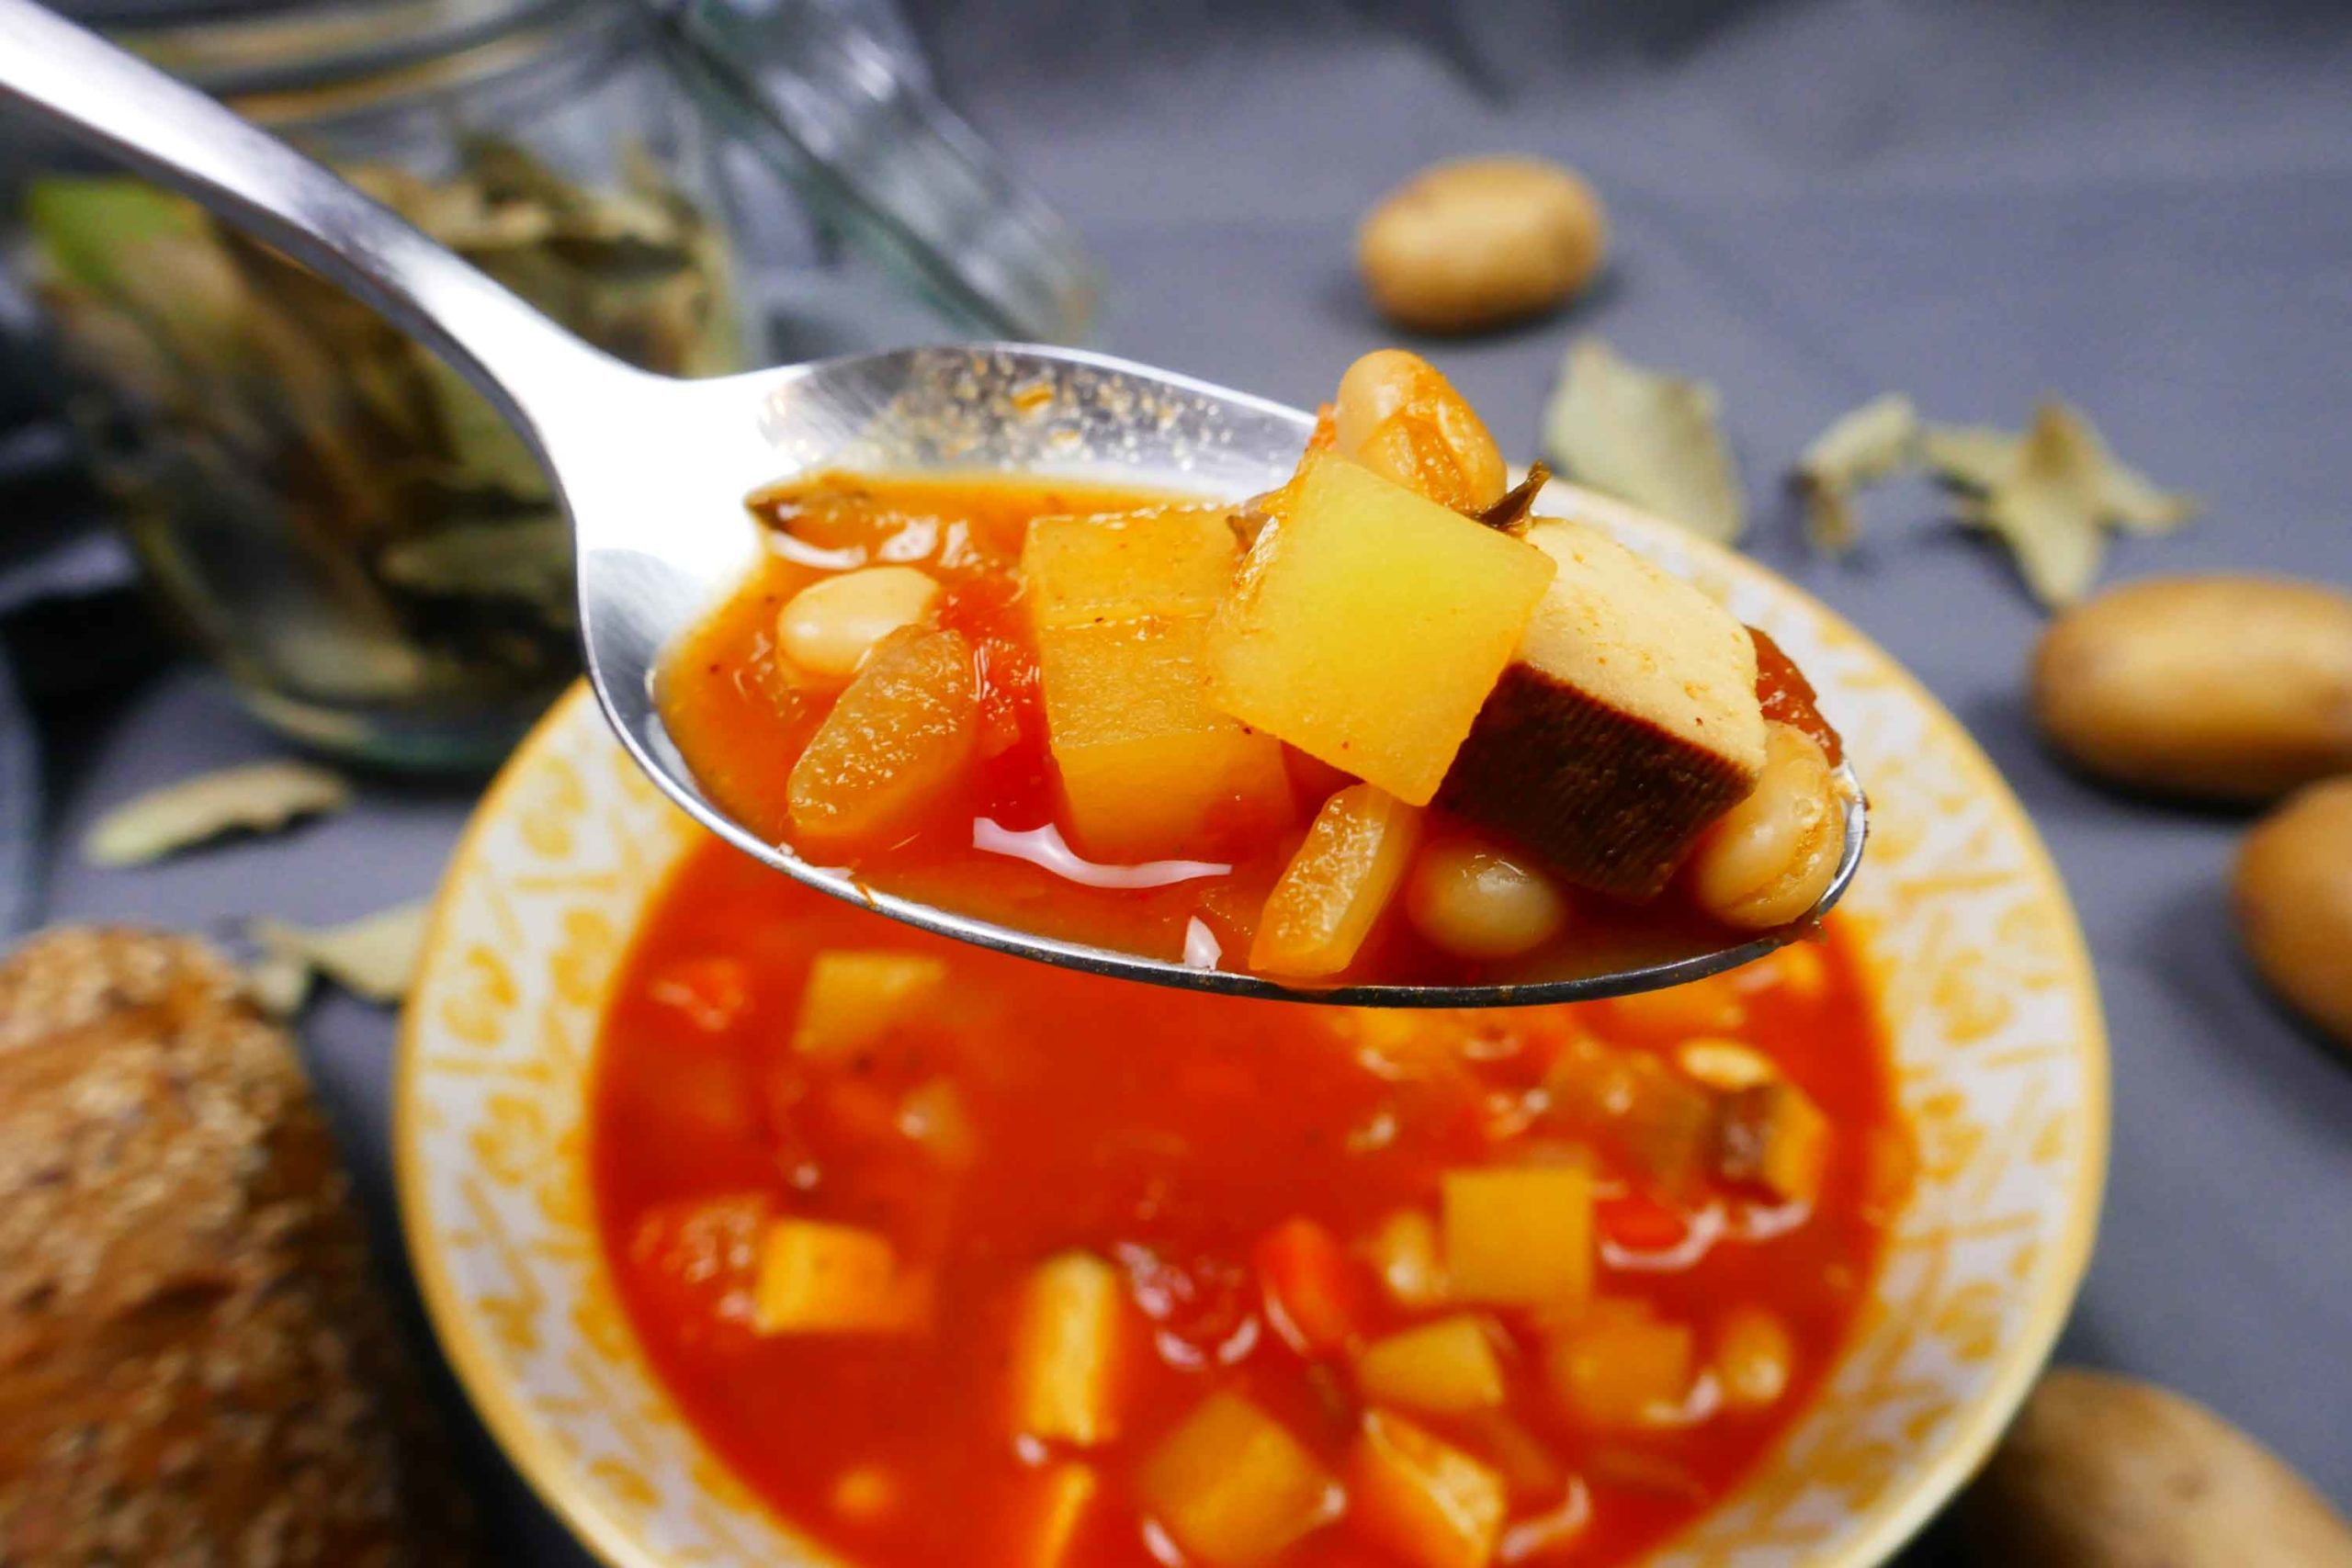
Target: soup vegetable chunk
x=958, y=1258
x=1380, y=725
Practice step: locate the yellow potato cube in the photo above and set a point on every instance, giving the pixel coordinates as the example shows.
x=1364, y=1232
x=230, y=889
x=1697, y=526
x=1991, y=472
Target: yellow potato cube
x=1171, y=562
x=1149, y=768
x=1519, y=1236
x=1065, y=1352
x=1422, y=1497
x=1337, y=884
x=853, y=997
x=898, y=743
x=1368, y=626
x=826, y=1278
x=1621, y=1370
x=1065, y=1493
x=1446, y=1367
x=1232, y=1487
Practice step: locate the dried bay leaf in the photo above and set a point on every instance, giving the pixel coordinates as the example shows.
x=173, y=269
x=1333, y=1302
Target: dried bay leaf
x=278, y=983
x=2048, y=509
x=1647, y=437
x=374, y=956
x=258, y=797
x=1874, y=442
x=1977, y=457
x=2051, y=495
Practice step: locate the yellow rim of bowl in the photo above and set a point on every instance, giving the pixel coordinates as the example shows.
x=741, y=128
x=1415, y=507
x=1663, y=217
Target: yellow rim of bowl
x=1879, y=1531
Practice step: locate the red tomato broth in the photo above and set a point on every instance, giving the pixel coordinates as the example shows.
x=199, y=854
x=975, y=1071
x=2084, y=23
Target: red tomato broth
x=742, y=717
x=1171, y=1133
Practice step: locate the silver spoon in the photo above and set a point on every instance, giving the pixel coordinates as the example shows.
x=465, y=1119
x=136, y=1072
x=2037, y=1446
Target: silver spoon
x=654, y=471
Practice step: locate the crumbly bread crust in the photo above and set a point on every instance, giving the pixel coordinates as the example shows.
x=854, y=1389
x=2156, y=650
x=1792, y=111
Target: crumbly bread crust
x=1627, y=723
x=196, y=1366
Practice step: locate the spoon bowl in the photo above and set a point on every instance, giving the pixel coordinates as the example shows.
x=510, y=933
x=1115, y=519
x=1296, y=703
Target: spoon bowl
x=654, y=471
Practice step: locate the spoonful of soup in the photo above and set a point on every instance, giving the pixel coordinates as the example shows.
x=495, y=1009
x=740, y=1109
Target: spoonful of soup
x=1107, y=667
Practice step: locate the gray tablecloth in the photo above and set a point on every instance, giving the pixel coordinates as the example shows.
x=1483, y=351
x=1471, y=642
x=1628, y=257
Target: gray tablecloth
x=2147, y=209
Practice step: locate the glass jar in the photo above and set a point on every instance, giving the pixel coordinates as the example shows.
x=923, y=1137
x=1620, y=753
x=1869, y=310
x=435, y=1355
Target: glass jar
x=352, y=533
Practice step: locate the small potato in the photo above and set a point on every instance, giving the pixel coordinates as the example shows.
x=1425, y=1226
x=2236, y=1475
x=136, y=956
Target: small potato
x=1470, y=244
x=2214, y=688
x=2294, y=893
x=2101, y=1472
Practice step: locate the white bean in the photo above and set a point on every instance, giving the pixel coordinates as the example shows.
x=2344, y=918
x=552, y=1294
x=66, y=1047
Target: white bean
x=1768, y=860
x=1398, y=416
x=829, y=628
x=1475, y=902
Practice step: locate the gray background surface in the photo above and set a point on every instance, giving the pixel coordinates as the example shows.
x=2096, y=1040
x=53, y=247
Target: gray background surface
x=2145, y=208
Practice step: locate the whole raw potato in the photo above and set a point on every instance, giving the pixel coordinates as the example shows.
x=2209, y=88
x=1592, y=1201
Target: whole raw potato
x=2295, y=903
x=2215, y=688
x=1479, y=242
x=2101, y=1472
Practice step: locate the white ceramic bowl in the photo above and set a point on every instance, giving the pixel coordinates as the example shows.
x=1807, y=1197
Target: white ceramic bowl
x=1985, y=987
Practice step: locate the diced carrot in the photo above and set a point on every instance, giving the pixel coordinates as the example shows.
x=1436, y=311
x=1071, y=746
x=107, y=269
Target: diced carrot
x=1423, y=1498
x=1640, y=1224
x=1313, y=1298
x=1065, y=1352
x=1233, y=1488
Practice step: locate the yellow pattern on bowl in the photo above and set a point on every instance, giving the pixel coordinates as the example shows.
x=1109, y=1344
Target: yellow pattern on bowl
x=1985, y=988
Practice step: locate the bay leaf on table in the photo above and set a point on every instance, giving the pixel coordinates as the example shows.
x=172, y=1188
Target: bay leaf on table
x=1876, y=441
x=1645, y=436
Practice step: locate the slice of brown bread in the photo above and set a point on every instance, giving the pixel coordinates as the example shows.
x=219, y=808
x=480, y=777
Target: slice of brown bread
x=196, y=1365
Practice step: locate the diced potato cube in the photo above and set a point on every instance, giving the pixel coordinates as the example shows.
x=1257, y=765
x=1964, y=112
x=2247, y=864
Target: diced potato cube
x=1232, y=1487
x=1368, y=626
x=1341, y=881
x=1621, y=1370
x=1422, y=1497
x=853, y=997
x=1404, y=1252
x=1065, y=1352
x=1064, y=1494
x=1310, y=1287
x=1148, y=767
x=1166, y=561
x=826, y=1278
x=933, y=1116
x=898, y=743
x=1519, y=1236
x=1773, y=1136
x=1446, y=1367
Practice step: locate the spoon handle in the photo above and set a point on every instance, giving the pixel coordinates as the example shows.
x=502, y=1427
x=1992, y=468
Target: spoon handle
x=109, y=98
